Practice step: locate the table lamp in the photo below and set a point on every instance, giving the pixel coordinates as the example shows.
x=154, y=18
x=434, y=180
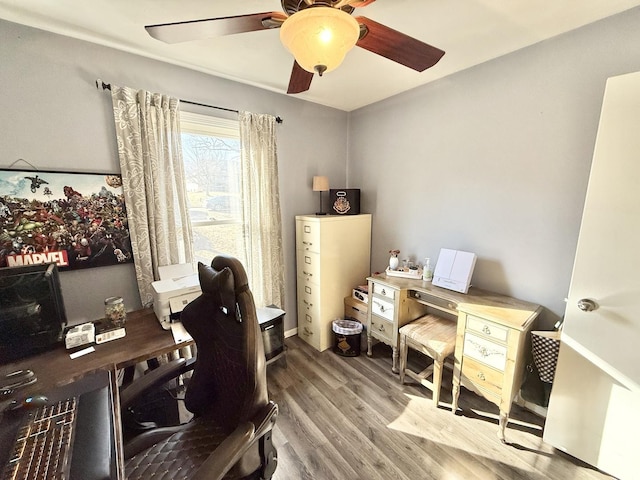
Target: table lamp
x=320, y=184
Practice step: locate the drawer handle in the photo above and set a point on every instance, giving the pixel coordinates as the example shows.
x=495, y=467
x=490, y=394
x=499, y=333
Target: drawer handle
x=383, y=292
x=308, y=304
x=486, y=330
x=307, y=274
x=381, y=328
x=307, y=332
x=307, y=243
x=416, y=295
x=381, y=308
x=481, y=376
x=452, y=306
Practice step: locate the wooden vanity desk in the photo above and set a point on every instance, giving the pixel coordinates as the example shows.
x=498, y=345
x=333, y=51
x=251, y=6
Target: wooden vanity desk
x=492, y=333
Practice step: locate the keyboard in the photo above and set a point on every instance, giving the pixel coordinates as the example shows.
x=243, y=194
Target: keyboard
x=43, y=443
x=71, y=439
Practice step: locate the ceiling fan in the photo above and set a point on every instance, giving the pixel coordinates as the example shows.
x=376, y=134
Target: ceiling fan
x=304, y=27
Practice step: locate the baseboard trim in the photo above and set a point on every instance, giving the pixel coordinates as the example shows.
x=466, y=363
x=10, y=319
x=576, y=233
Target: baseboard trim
x=290, y=333
x=533, y=407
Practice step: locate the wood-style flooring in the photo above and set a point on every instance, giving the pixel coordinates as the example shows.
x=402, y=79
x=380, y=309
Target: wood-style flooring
x=349, y=418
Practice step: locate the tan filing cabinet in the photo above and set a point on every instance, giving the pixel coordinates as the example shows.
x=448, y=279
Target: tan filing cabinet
x=333, y=255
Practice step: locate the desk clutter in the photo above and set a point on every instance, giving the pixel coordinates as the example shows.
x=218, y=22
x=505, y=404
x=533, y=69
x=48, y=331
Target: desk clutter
x=111, y=327
x=453, y=269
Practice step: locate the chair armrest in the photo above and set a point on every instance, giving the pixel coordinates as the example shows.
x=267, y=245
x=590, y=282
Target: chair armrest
x=155, y=378
x=229, y=452
x=264, y=419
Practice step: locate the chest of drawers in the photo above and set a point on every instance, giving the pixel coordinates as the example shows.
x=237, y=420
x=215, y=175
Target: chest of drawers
x=332, y=256
x=490, y=346
x=389, y=309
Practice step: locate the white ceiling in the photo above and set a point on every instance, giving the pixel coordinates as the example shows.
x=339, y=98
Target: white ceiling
x=469, y=31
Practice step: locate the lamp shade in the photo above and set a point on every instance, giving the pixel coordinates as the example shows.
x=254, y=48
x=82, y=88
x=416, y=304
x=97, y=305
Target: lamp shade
x=320, y=184
x=319, y=37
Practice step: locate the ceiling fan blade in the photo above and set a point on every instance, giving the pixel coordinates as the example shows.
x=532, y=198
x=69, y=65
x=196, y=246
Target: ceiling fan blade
x=397, y=46
x=178, y=32
x=300, y=80
x=353, y=3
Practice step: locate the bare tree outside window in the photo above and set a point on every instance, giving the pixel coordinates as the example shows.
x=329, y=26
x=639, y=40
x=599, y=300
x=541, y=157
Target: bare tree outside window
x=211, y=154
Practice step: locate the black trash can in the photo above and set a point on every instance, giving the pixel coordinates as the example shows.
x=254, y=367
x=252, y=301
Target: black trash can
x=346, y=335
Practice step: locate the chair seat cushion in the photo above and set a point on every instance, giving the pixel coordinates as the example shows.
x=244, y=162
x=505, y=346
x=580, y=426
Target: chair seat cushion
x=178, y=456
x=434, y=333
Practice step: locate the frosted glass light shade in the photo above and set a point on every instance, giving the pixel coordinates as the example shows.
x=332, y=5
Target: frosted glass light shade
x=319, y=37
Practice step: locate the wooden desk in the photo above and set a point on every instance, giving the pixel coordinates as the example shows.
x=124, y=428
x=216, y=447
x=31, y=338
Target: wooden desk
x=145, y=339
x=491, y=340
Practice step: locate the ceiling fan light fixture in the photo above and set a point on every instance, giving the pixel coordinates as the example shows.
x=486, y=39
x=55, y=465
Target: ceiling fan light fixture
x=319, y=37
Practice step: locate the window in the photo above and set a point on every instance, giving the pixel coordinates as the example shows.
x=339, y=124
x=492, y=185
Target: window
x=211, y=153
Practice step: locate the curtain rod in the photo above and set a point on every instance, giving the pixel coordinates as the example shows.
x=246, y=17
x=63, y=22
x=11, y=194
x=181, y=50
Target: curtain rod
x=107, y=86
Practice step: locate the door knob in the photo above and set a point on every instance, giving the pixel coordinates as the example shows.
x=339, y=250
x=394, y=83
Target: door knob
x=587, y=305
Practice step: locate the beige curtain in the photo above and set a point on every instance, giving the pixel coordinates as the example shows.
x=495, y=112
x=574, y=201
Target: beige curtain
x=150, y=152
x=261, y=208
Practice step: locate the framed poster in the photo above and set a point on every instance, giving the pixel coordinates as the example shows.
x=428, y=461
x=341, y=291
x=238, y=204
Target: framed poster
x=77, y=220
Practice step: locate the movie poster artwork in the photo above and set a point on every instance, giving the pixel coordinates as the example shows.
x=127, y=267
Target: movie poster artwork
x=77, y=220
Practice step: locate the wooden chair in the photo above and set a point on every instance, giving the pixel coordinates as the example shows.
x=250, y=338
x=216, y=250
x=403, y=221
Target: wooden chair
x=434, y=337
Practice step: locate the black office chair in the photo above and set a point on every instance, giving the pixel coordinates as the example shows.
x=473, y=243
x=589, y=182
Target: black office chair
x=230, y=433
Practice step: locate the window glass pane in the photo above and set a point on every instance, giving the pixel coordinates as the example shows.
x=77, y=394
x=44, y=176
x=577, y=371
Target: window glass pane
x=211, y=151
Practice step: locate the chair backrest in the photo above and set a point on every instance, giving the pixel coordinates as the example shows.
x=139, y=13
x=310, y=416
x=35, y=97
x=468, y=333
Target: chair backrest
x=229, y=381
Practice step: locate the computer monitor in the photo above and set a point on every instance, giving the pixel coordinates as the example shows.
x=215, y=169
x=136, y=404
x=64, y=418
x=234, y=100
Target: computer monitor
x=32, y=313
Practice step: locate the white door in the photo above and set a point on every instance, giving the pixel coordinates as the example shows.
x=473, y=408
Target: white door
x=594, y=410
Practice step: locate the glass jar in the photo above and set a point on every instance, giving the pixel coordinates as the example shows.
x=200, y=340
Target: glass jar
x=114, y=311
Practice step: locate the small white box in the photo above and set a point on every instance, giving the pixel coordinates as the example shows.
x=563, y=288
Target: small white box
x=109, y=335
x=80, y=335
x=360, y=295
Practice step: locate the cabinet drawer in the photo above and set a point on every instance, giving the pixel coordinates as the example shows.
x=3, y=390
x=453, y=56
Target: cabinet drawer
x=309, y=326
x=309, y=335
x=382, y=307
x=308, y=264
x=485, y=351
x=382, y=329
x=308, y=260
x=483, y=376
x=487, y=328
x=308, y=236
x=355, y=309
x=433, y=301
x=384, y=291
x=308, y=297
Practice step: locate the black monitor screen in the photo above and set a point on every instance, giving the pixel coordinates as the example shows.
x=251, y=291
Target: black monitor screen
x=32, y=314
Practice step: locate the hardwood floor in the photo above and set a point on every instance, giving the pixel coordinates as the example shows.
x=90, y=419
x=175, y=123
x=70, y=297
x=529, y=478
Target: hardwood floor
x=349, y=418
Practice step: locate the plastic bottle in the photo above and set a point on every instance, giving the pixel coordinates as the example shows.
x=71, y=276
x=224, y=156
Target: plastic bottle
x=427, y=270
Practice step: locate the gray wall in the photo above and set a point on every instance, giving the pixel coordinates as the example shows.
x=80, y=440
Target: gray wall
x=52, y=115
x=494, y=160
